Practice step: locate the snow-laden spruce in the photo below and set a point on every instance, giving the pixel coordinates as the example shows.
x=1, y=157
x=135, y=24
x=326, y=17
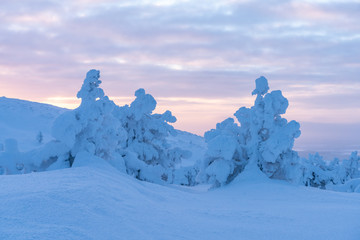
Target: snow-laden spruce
x=131, y=138
x=226, y=155
x=147, y=153
x=266, y=139
x=269, y=137
x=92, y=127
x=263, y=138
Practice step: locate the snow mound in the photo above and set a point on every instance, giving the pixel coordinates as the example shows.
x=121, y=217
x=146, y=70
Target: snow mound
x=88, y=203
x=251, y=174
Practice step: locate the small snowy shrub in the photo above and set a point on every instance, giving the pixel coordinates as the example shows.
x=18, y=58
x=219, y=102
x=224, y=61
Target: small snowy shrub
x=11, y=160
x=352, y=185
x=315, y=172
x=39, y=138
x=350, y=167
x=185, y=175
x=53, y=155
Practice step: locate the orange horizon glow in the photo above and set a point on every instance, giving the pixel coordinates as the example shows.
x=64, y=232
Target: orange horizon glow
x=198, y=115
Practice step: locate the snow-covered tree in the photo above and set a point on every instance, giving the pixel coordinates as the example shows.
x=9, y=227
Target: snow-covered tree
x=11, y=159
x=92, y=127
x=269, y=138
x=226, y=155
x=350, y=167
x=148, y=154
x=131, y=138
x=264, y=138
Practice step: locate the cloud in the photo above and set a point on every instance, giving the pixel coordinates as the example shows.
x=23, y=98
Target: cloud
x=203, y=54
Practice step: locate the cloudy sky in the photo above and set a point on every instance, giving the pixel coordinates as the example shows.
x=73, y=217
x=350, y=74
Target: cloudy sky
x=199, y=59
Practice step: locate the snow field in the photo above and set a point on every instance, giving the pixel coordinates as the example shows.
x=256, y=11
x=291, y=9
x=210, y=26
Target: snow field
x=98, y=202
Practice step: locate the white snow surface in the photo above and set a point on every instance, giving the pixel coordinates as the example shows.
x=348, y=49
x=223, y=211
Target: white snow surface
x=98, y=202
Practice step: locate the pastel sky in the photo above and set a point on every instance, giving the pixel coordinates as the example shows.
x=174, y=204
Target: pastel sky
x=199, y=59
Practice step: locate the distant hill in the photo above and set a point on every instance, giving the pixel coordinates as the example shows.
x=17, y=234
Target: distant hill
x=23, y=120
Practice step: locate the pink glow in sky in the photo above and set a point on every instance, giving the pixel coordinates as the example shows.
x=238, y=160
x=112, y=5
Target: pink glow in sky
x=199, y=59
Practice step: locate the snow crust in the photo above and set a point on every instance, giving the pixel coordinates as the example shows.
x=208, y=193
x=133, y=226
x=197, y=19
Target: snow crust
x=94, y=202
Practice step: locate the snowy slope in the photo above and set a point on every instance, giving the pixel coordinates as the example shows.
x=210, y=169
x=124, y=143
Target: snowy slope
x=100, y=203
x=23, y=120
x=190, y=142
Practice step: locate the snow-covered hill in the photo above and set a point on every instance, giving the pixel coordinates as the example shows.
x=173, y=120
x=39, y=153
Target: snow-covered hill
x=101, y=203
x=23, y=120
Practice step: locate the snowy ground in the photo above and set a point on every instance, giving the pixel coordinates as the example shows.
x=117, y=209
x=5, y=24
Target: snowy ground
x=98, y=202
